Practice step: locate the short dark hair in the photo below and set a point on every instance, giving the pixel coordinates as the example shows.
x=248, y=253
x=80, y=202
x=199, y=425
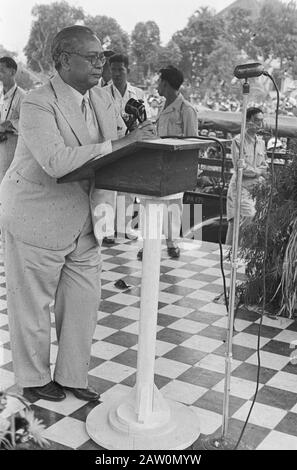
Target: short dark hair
x=68, y=39
x=173, y=76
x=108, y=53
x=252, y=111
x=9, y=62
x=119, y=58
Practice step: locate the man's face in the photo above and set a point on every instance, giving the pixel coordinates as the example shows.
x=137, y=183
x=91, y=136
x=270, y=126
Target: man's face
x=6, y=74
x=256, y=122
x=161, y=85
x=85, y=66
x=119, y=74
x=106, y=73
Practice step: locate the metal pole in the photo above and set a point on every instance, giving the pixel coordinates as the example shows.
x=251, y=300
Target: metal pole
x=234, y=264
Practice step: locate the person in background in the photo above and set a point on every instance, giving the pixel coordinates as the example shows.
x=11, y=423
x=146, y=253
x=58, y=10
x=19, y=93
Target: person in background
x=177, y=117
x=121, y=91
x=154, y=107
x=9, y=113
x=255, y=167
x=106, y=73
x=50, y=250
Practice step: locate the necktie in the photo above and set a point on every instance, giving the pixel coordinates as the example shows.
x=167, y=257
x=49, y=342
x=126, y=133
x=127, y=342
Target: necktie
x=84, y=108
x=91, y=120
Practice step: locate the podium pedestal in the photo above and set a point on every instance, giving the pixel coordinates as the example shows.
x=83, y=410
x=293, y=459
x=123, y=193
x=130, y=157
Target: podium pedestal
x=144, y=419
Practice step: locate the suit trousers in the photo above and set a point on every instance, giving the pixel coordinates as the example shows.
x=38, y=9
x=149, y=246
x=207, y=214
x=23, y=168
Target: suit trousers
x=36, y=277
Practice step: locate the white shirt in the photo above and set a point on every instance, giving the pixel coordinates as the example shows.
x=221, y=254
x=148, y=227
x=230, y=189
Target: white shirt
x=5, y=103
x=91, y=120
x=121, y=101
x=10, y=103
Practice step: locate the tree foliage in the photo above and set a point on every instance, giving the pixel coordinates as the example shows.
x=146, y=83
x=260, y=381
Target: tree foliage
x=48, y=21
x=145, y=45
x=219, y=72
x=240, y=30
x=25, y=78
x=197, y=41
x=170, y=54
x=109, y=32
x=276, y=35
x=206, y=50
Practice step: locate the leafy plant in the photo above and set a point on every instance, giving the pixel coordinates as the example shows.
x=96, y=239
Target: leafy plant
x=279, y=251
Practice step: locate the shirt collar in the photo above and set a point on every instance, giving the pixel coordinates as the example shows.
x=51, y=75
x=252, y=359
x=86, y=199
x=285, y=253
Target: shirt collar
x=78, y=96
x=174, y=105
x=103, y=83
x=10, y=92
x=129, y=90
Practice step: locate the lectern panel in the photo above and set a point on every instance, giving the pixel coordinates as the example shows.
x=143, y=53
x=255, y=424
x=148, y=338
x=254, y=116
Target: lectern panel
x=155, y=174
x=159, y=167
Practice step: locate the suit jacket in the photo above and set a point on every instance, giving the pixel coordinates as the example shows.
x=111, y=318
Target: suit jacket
x=53, y=141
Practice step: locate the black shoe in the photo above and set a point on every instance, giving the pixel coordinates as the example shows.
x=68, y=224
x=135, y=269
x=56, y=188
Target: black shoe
x=173, y=251
x=51, y=391
x=108, y=241
x=140, y=254
x=87, y=394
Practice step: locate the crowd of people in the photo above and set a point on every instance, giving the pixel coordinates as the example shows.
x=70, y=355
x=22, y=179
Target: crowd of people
x=220, y=102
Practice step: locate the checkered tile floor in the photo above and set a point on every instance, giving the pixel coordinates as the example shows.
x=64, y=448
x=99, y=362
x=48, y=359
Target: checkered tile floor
x=190, y=352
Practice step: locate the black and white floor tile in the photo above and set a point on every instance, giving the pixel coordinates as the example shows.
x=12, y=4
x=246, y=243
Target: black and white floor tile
x=190, y=352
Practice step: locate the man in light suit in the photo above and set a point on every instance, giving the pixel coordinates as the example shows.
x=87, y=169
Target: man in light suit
x=51, y=253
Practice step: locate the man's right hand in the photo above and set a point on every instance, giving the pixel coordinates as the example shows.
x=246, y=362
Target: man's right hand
x=145, y=131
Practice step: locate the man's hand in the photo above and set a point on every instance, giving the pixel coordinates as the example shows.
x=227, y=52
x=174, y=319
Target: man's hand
x=145, y=131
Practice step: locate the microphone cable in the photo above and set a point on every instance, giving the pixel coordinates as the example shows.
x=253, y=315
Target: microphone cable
x=222, y=187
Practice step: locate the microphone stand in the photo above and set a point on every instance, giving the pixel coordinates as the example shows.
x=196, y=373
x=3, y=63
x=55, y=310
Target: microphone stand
x=222, y=442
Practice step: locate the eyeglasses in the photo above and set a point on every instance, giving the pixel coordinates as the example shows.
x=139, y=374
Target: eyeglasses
x=92, y=58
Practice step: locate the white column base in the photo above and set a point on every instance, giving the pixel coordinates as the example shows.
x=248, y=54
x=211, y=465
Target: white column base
x=114, y=425
x=143, y=419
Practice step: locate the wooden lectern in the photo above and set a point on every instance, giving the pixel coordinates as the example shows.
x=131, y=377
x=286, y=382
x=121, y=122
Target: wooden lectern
x=144, y=419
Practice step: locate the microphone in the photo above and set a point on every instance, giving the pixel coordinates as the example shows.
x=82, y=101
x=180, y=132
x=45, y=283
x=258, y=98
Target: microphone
x=249, y=70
